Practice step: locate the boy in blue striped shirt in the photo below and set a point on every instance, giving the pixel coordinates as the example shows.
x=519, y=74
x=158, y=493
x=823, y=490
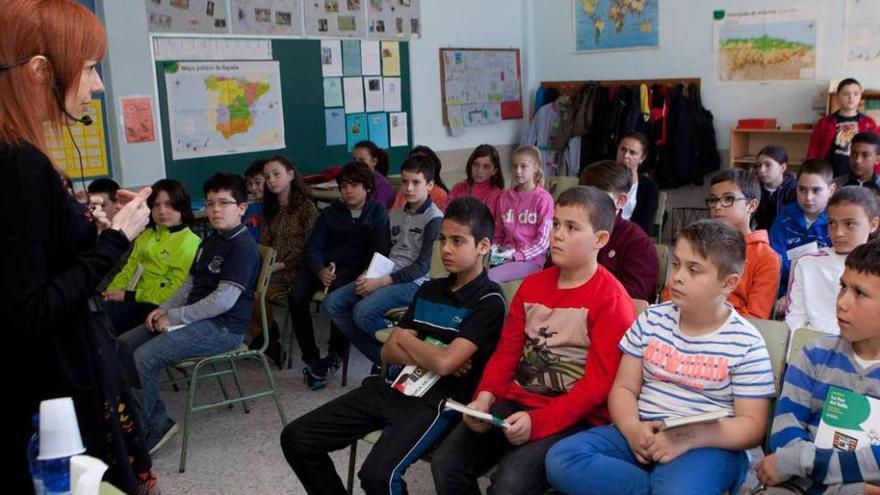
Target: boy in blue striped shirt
x=693, y=355
x=850, y=361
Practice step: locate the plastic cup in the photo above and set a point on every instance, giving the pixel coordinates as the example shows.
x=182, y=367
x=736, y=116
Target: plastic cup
x=59, y=431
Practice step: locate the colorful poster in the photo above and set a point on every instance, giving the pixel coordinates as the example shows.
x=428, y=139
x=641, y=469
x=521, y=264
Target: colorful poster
x=398, y=129
x=391, y=94
x=187, y=16
x=351, y=57
x=371, y=59
x=354, y=94
x=334, y=124
x=355, y=129
x=377, y=124
x=331, y=58
x=481, y=114
x=333, y=92
x=137, y=119
x=615, y=24
x=273, y=17
x=390, y=19
x=768, y=44
x=373, y=94
x=90, y=140
x=861, y=31
x=335, y=18
x=390, y=58
x=218, y=108
x=478, y=85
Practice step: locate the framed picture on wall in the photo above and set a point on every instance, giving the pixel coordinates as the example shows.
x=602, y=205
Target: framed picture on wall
x=601, y=25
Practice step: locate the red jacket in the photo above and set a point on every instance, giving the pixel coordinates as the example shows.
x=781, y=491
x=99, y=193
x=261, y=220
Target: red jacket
x=558, y=351
x=823, y=134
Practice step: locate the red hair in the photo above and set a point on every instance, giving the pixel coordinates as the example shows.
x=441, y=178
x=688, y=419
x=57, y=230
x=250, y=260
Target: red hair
x=64, y=32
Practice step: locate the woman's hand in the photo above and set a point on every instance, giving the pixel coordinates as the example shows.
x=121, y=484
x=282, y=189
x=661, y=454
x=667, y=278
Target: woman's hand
x=133, y=217
x=97, y=213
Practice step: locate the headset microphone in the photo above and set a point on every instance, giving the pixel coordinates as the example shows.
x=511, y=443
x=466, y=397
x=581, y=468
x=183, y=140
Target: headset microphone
x=84, y=120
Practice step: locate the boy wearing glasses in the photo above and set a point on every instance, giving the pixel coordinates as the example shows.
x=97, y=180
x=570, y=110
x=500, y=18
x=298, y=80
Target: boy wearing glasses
x=209, y=314
x=804, y=221
x=733, y=199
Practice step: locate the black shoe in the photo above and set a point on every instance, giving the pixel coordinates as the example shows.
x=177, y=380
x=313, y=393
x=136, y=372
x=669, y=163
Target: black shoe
x=331, y=363
x=156, y=440
x=315, y=374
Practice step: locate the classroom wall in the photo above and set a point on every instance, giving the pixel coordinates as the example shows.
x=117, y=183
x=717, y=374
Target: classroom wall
x=686, y=34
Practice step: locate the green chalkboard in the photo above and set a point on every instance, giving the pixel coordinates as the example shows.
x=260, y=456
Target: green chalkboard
x=303, y=100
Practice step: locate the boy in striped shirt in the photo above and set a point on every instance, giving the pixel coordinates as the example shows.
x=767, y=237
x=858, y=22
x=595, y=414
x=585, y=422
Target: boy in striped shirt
x=693, y=355
x=850, y=361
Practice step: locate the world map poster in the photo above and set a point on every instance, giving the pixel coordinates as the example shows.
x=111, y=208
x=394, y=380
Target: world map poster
x=615, y=24
x=219, y=108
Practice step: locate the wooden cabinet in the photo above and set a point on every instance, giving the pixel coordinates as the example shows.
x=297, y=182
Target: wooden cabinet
x=746, y=143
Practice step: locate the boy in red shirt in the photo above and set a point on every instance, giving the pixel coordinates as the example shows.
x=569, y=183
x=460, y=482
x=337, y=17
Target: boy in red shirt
x=540, y=379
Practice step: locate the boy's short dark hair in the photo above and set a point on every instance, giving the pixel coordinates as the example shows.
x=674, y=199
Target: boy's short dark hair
x=865, y=258
x=474, y=214
x=846, y=82
x=817, y=167
x=106, y=186
x=357, y=173
x=419, y=164
x=867, y=138
x=747, y=183
x=719, y=243
x=227, y=182
x=608, y=176
x=178, y=197
x=255, y=168
x=601, y=211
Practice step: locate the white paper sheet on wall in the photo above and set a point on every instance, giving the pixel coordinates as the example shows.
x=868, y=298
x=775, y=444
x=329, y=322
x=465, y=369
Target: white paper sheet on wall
x=354, y=94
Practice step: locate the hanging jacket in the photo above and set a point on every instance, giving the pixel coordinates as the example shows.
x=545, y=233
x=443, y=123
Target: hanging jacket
x=708, y=159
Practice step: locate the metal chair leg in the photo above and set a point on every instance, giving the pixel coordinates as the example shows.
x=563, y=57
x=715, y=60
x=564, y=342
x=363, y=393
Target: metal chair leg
x=244, y=404
x=352, y=458
x=174, y=386
x=187, y=417
x=345, y=359
x=220, y=382
x=275, y=395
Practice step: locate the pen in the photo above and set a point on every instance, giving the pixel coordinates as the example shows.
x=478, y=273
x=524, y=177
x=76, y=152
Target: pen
x=332, y=272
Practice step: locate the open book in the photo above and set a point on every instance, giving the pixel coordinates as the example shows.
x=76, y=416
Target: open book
x=380, y=266
x=849, y=421
x=414, y=380
x=451, y=405
x=706, y=417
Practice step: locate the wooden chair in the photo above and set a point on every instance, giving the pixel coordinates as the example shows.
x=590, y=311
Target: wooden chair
x=194, y=369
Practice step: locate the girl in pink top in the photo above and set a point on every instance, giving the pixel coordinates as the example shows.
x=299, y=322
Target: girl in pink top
x=523, y=220
x=484, y=178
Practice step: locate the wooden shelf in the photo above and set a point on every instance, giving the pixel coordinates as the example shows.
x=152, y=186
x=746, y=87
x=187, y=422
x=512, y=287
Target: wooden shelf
x=746, y=143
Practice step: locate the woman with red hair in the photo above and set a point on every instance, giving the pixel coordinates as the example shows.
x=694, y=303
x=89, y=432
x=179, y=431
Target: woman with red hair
x=54, y=251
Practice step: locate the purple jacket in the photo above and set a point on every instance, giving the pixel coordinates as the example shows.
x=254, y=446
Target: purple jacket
x=382, y=190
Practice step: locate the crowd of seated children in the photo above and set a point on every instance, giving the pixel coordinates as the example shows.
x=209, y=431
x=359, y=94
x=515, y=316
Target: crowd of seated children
x=804, y=221
x=485, y=180
x=630, y=254
x=849, y=361
x=464, y=312
x=439, y=192
x=554, y=364
x=358, y=308
x=208, y=314
x=160, y=258
x=256, y=183
x=289, y=216
x=863, y=161
x=778, y=186
x=815, y=277
x=523, y=220
x=831, y=138
x=692, y=355
x=348, y=231
x=377, y=159
x=643, y=197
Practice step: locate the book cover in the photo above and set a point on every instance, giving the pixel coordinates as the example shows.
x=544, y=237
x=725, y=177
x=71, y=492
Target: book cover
x=849, y=421
x=414, y=380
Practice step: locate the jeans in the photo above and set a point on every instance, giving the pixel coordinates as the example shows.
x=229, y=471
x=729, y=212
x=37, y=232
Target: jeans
x=154, y=351
x=359, y=318
x=599, y=461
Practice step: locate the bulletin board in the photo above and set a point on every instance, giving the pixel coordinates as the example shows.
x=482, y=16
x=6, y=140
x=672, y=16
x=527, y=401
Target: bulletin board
x=481, y=85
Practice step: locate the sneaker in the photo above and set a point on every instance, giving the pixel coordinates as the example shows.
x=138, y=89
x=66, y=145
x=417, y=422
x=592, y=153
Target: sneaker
x=331, y=363
x=315, y=375
x=168, y=431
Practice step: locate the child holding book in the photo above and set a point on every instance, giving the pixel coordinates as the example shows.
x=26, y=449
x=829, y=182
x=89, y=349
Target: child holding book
x=815, y=279
x=849, y=361
x=463, y=313
x=805, y=221
x=523, y=220
x=693, y=355
x=778, y=187
x=555, y=361
x=485, y=181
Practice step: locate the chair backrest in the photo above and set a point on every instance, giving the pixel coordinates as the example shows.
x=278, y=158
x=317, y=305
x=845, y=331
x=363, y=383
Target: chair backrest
x=267, y=258
x=394, y=181
x=437, y=269
x=776, y=337
x=800, y=338
x=663, y=258
x=659, y=215
x=509, y=289
x=556, y=185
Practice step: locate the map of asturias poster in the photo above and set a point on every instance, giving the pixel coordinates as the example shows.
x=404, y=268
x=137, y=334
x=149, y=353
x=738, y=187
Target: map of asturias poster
x=217, y=108
x=767, y=44
x=615, y=24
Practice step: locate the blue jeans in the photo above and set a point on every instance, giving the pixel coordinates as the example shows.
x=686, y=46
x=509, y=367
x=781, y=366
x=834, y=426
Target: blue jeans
x=599, y=461
x=359, y=318
x=154, y=351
